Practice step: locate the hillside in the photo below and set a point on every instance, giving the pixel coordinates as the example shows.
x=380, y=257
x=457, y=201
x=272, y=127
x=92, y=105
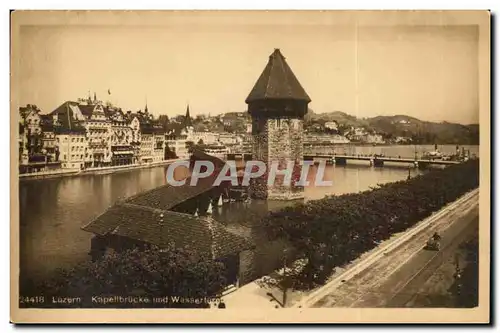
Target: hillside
x=420, y=131
x=338, y=116
x=425, y=131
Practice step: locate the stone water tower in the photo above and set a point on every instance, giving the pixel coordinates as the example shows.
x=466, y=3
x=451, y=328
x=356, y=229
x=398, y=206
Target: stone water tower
x=277, y=105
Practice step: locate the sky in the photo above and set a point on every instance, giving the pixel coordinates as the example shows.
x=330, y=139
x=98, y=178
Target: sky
x=428, y=72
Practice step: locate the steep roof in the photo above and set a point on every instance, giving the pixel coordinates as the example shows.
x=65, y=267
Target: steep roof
x=140, y=217
x=47, y=123
x=68, y=119
x=164, y=227
x=277, y=81
x=167, y=196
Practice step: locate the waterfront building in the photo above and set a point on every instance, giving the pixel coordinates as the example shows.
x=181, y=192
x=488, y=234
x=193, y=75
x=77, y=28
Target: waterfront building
x=71, y=135
x=135, y=141
x=148, y=137
x=147, y=142
x=159, y=142
x=324, y=139
x=277, y=104
x=32, y=157
x=122, y=151
x=49, y=146
x=374, y=139
x=98, y=132
x=178, y=144
x=205, y=137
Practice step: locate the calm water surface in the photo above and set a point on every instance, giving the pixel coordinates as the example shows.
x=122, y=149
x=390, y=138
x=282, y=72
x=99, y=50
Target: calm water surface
x=53, y=210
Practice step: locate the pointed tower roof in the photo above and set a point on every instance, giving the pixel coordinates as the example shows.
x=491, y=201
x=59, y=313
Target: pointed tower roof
x=187, y=120
x=277, y=81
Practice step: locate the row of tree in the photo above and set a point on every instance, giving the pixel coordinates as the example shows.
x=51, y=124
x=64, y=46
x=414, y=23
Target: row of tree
x=175, y=277
x=326, y=233
x=333, y=231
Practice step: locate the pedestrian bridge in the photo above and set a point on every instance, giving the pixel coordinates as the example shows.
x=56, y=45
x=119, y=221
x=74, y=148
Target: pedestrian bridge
x=376, y=160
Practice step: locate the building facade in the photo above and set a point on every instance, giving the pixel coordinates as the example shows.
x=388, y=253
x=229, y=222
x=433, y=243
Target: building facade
x=98, y=132
x=31, y=138
x=277, y=105
x=122, y=151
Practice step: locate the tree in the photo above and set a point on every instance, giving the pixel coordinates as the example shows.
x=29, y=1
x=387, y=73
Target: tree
x=164, y=121
x=333, y=231
x=169, y=154
x=142, y=271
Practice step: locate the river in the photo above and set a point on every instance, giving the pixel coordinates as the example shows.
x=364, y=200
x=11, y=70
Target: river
x=52, y=211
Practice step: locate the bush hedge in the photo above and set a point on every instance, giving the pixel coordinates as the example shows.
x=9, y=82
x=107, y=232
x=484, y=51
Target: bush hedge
x=333, y=231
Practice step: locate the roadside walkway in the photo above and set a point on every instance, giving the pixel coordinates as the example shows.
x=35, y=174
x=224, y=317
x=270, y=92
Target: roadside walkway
x=90, y=171
x=252, y=295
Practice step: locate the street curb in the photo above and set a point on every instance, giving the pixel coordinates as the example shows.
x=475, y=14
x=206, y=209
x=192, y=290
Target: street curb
x=379, y=253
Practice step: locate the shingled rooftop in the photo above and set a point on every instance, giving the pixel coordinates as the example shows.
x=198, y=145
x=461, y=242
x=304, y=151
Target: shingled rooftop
x=277, y=81
x=147, y=217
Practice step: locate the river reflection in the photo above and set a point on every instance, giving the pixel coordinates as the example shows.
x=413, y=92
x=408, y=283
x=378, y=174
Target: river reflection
x=53, y=210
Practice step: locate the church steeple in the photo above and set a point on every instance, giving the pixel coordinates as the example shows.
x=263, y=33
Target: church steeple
x=187, y=120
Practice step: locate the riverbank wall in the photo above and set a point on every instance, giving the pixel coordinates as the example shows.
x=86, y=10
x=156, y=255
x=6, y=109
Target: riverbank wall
x=91, y=171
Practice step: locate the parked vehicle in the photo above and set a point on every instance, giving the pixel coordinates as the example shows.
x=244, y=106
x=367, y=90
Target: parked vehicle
x=434, y=243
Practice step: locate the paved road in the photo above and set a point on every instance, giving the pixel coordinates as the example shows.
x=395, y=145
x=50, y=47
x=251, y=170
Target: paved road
x=395, y=280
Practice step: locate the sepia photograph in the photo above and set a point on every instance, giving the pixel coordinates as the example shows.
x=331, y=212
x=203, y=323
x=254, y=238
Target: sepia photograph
x=256, y=166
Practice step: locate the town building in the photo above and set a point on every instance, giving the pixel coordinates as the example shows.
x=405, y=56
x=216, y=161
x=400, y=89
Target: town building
x=205, y=137
x=147, y=140
x=148, y=137
x=71, y=135
x=122, y=151
x=180, y=143
x=277, y=104
x=330, y=139
x=50, y=148
x=332, y=125
x=32, y=143
x=135, y=141
x=230, y=139
x=37, y=148
x=98, y=132
x=374, y=139
x=158, y=142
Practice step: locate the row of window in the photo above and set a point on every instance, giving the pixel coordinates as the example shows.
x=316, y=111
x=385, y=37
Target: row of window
x=73, y=156
x=65, y=139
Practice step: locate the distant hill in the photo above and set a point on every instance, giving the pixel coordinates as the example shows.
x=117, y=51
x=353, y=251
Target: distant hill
x=400, y=125
x=426, y=131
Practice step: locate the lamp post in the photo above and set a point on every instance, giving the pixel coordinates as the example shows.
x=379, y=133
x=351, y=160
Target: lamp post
x=161, y=231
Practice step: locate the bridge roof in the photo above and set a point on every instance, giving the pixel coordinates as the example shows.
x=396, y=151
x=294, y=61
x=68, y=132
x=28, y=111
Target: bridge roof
x=163, y=227
x=277, y=81
x=140, y=217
